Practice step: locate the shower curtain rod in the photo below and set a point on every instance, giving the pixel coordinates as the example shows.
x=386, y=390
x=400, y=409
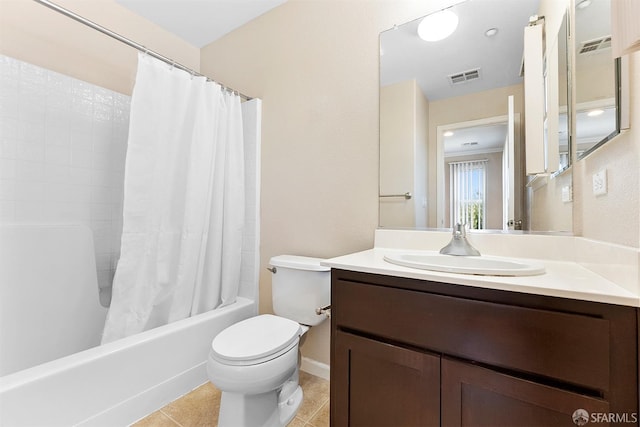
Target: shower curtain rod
x=130, y=42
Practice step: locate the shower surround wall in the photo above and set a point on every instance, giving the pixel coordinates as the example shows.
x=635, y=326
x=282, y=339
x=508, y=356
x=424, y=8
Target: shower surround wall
x=62, y=154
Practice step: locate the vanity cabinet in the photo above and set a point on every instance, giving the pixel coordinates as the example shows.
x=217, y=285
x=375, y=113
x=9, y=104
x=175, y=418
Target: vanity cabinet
x=409, y=352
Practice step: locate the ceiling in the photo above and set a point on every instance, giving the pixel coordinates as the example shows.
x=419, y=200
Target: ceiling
x=476, y=139
x=200, y=22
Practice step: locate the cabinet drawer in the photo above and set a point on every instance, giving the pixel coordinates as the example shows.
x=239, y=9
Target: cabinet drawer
x=568, y=347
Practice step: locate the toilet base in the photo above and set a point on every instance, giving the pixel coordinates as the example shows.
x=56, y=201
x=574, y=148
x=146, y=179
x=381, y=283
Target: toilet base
x=269, y=409
x=288, y=407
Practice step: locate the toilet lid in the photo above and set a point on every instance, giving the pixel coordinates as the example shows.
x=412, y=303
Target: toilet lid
x=255, y=339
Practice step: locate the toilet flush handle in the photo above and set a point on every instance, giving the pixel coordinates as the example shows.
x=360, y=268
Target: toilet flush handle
x=272, y=269
x=324, y=310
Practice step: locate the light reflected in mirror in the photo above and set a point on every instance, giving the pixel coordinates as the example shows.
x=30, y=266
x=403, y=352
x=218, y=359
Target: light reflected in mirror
x=596, y=77
x=457, y=83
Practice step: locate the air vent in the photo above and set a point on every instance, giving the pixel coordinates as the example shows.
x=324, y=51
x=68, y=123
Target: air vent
x=464, y=76
x=595, y=45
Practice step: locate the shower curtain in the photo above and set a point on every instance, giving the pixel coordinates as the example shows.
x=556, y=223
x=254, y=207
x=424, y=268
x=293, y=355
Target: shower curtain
x=183, y=214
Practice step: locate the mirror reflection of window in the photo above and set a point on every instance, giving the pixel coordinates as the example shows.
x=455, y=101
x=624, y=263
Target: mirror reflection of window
x=468, y=193
x=474, y=157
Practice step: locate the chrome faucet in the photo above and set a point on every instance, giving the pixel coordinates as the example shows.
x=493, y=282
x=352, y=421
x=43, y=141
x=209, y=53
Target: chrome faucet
x=459, y=245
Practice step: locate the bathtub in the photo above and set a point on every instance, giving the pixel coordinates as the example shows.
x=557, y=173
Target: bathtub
x=53, y=371
x=120, y=382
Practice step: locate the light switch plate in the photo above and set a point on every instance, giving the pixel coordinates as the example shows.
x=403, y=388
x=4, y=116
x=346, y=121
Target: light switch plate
x=600, y=183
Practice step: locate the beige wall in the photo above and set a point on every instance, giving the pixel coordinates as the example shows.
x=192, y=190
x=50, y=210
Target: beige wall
x=614, y=217
x=548, y=211
x=397, y=151
x=421, y=179
x=35, y=34
x=404, y=114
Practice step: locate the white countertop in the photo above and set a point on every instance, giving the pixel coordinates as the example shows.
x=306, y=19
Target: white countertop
x=561, y=278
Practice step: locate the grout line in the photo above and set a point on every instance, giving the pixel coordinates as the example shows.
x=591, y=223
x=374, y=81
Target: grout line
x=171, y=418
x=313, y=414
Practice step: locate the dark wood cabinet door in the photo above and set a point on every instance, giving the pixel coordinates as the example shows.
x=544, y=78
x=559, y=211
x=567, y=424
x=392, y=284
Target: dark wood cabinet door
x=476, y=396
x=379, y=384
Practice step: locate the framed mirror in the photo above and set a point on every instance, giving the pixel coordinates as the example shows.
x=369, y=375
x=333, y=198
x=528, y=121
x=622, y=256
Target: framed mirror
x=446, y=102
x=598, y=77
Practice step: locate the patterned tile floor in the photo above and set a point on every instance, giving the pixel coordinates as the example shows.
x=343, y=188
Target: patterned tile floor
x=200, y=407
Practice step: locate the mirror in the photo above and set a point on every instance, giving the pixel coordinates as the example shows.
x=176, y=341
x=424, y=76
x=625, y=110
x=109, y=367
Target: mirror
x=447, y=102
x=564, y=139
x=597, y=77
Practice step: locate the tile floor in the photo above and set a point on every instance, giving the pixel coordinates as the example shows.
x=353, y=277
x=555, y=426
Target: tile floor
x=200, y=407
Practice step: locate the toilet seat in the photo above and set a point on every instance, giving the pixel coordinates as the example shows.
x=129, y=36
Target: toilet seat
x=255, y=340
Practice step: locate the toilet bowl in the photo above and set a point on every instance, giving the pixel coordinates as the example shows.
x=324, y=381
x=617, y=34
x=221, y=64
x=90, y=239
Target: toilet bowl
x=255, y=362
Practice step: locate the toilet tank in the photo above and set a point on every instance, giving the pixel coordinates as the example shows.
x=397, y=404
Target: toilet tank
x=299, y=285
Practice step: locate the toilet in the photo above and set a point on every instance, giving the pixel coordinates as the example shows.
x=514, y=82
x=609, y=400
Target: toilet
x=255, y=362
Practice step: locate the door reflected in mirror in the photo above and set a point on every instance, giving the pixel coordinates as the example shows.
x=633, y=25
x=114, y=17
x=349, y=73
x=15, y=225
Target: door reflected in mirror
x=475, y=170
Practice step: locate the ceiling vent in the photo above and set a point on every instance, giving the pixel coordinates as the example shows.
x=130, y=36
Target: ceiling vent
x=595, y=45
x=463, y=77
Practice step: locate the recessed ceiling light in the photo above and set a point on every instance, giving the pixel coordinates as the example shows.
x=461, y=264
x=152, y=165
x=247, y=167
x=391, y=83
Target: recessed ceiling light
x=438, y=26
x=594, y=113
x=448, y=133
x=491, y=32
x=583, y=4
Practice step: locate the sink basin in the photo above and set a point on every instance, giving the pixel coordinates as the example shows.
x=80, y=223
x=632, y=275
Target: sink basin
x=479, y=265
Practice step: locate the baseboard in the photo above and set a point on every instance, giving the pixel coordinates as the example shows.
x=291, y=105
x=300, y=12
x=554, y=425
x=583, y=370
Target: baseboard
x=316, y=368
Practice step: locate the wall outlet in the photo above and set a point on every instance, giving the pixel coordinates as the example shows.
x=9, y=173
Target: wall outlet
x=600, y=183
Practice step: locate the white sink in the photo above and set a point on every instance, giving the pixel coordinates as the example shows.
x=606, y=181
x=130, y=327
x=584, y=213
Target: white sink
x=480, y=265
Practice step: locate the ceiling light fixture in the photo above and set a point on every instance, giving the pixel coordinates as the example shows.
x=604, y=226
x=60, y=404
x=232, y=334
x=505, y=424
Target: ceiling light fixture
x=491, y=32
x=595, y=113
x=583, y=4
x=438, y=26
x=448, y=133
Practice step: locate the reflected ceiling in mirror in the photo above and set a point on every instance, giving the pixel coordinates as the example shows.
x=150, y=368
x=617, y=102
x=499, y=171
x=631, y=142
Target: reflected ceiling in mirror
x=467, y=61
x=478, y=139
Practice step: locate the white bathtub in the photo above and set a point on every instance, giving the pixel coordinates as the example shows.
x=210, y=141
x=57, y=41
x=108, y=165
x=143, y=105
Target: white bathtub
x=120, y=382
x=52, y=371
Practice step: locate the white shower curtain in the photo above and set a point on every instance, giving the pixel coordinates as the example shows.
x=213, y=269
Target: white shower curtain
x=183, y=201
